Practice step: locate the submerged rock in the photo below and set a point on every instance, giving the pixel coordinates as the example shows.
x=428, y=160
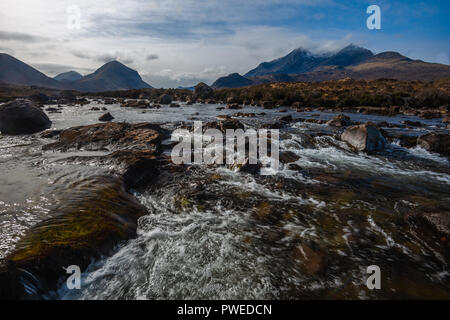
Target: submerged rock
x=92, y=216
x=364, y=137
x=22, y=117
x=310, y=261
x=435, y=142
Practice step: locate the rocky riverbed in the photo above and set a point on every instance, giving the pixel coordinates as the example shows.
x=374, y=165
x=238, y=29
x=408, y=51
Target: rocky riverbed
x=353, y=190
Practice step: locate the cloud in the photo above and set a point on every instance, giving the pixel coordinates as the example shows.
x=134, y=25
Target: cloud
x=53, y=69
x=20, y=37
x=180, y=42
x=152, y=57
x=123, y=57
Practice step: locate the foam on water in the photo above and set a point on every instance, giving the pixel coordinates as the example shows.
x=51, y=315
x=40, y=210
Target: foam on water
x=200, y=255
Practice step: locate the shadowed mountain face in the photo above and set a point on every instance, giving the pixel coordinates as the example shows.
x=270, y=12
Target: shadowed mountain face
x=301, y=61
x=298, y=61
x=14, y=71
x=348, y=56
x=68, y=76
x=352, y=61
x=111, y=76
x=234, y=80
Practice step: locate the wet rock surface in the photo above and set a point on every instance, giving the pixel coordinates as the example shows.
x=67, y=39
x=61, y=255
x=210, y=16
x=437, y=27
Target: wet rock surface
x=364, y=137
x=93, y=216
x=340, y=121
x=106, y=117
x=439, y=143
x=22, y=117
x=109, y=135
x=133, y=149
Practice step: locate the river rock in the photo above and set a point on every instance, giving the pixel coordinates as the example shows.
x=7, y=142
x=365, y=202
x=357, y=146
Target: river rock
x=286, y=118
x=134, y=148
x=340, y=121
x=140, y=104
x=267, y=105
x=165, y=99
x=234, y=106
x=412, y=123
x=112, y=136
x=435, y=142
x=92, y=216
x=364, y=137
x=106, y=117
x=22, y=117
x=223, y=125
x=288, y=157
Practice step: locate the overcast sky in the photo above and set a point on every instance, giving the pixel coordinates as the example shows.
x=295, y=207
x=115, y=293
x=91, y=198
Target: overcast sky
x=175, y=43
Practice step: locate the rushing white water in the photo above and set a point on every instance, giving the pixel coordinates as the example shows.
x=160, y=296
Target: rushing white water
x=301, y=233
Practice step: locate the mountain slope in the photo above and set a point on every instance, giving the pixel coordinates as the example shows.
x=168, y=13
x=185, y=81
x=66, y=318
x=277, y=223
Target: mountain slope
x=394, y=65
x=350, y=62
x=297, y=61
x=14, y=71
x=110, y=77
x=348, y=56
x=68, y=76
x=234, y=80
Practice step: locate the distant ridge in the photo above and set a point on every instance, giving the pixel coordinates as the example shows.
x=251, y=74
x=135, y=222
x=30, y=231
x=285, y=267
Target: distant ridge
x=111, y=76
x=234, y=80
x=350, y=62
x=68, y=76
x=14, y=71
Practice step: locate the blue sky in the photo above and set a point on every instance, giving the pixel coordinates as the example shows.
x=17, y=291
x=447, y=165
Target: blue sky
x=181, y=42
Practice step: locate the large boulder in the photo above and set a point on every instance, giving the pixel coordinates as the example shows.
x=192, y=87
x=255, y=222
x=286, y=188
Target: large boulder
x=435, y=142
x=22, y=117
x=203, y=91
x=288, y=157
x=365, y=137
x=92, y=217
x=112, y=136
x=134, y=148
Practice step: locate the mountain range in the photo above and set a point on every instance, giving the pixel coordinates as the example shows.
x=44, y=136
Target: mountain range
x=352, y=61
x=299, y=65
x=111, y=76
